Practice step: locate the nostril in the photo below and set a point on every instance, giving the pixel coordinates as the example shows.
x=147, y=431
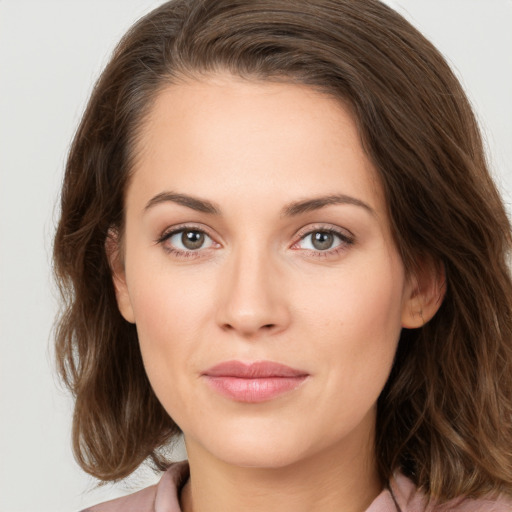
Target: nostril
x=230, y=327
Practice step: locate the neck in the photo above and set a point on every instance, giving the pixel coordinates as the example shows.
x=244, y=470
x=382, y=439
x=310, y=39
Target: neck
x=335, y=479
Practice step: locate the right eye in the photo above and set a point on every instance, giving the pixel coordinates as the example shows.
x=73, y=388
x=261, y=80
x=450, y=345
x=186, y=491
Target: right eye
x=184, y=241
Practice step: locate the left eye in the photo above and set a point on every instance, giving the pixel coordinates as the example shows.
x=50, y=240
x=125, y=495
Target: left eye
x=189, y=240
x=321, y=240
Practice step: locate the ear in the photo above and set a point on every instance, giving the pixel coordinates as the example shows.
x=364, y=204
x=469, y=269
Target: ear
x=114, y=255
x=425, y=292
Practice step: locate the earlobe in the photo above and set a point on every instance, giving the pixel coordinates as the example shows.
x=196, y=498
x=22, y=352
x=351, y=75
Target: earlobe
x=114, y=256
x=424, y=295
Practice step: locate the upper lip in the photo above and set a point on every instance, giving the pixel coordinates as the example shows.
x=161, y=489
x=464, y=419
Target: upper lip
x=253, y=370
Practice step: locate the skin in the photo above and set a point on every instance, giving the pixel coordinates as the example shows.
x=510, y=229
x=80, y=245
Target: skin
x=259, y=289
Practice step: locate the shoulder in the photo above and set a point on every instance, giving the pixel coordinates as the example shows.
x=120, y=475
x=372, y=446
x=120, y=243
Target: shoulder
x=409, y=499
x=141, y=501
x=148, y=499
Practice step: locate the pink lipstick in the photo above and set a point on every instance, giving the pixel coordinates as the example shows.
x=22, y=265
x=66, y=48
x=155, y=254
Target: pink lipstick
x=253, y=382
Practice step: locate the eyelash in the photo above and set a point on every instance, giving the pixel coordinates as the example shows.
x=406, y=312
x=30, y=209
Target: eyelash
x=345, y=241
x=180, y=253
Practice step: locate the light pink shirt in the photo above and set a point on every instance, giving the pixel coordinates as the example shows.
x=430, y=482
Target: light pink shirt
x=402, y=496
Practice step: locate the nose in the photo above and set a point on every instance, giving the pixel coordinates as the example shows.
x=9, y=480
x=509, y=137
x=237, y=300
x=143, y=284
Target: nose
x=252, y=297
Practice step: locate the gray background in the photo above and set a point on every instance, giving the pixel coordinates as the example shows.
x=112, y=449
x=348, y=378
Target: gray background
x=50, y=54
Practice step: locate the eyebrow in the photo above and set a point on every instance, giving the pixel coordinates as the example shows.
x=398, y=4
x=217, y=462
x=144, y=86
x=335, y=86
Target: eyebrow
x=200, y=205
x=309, y=205
x=290, y=210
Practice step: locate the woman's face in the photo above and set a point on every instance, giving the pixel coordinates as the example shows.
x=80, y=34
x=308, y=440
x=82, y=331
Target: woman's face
x=256, y=232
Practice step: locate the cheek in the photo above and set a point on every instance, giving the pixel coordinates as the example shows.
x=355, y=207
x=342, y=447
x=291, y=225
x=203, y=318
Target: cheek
x=170, y=311
x=167, y=312
x=374, y=310
x=367, y=298
x=167, y=326
x=356, y=322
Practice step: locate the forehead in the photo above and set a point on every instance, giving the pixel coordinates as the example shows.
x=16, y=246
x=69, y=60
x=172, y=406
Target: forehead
x=224, y=133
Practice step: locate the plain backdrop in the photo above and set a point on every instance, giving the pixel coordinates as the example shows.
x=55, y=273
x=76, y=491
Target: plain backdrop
x=51, y=52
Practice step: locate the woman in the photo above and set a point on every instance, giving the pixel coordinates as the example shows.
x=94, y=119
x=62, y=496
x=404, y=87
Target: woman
x=279, y=237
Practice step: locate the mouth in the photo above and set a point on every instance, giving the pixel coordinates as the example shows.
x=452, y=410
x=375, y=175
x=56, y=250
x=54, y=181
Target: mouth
x=253, y=382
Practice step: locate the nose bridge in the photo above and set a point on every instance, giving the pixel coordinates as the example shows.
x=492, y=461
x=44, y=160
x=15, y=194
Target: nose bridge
x=252, y=298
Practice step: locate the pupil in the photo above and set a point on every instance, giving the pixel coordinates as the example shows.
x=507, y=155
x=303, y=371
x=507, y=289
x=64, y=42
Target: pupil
x=322, y=240
x=192, y=239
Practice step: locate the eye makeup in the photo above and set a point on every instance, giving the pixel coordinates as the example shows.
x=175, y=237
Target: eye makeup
x=194, y=241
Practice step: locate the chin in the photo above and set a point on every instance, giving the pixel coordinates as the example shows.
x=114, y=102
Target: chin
x=259, y=456
x=260, y=448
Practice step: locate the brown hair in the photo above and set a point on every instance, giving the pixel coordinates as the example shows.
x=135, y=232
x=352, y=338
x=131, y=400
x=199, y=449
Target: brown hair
x=445, y=415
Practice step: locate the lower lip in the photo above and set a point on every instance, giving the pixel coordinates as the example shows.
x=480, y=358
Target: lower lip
x=252, y=390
